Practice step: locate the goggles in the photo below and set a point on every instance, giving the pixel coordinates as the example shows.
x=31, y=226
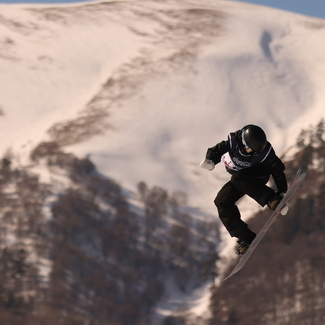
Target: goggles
x=247, y=148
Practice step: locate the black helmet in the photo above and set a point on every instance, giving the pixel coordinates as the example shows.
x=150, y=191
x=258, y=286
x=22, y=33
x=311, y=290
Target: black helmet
x=254, y=137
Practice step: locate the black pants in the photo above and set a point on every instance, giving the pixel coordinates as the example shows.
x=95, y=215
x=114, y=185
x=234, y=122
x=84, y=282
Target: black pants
x=251, y=181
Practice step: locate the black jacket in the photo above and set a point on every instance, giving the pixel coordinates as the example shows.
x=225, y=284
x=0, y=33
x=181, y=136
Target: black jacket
x=232, y=154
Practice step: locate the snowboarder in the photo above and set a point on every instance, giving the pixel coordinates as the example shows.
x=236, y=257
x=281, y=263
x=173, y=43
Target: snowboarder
x=251, y=160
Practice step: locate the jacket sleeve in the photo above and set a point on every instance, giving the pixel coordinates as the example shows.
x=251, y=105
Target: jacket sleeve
x=215, y=153
x=276, y=168
x=280, y=180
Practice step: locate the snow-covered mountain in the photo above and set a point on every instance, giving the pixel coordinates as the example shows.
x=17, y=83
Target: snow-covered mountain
x=144, y=87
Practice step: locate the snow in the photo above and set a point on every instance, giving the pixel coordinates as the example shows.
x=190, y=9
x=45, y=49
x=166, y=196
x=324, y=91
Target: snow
x=182, y=303
x=53, y=70
x=172, y=98
x=161, y=135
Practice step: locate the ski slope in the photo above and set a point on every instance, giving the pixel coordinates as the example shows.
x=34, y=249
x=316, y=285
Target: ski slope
x=248, y=64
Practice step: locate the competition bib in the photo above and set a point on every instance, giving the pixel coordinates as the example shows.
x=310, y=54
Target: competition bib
x=234, y=163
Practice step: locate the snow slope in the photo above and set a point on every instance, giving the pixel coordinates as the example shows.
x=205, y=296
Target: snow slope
x=144, y=87
x=175, y=92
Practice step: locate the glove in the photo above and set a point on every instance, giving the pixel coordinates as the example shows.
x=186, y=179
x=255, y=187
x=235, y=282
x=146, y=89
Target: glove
x=207, y=164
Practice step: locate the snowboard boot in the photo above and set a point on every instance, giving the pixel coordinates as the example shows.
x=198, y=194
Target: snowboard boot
x=244, y=242
x=274, y=201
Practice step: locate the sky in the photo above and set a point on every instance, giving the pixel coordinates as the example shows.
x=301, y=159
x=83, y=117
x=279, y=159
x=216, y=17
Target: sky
x=315, y=8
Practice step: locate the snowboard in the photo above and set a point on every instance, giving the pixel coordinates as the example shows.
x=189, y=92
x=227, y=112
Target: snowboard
x=301, y=174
